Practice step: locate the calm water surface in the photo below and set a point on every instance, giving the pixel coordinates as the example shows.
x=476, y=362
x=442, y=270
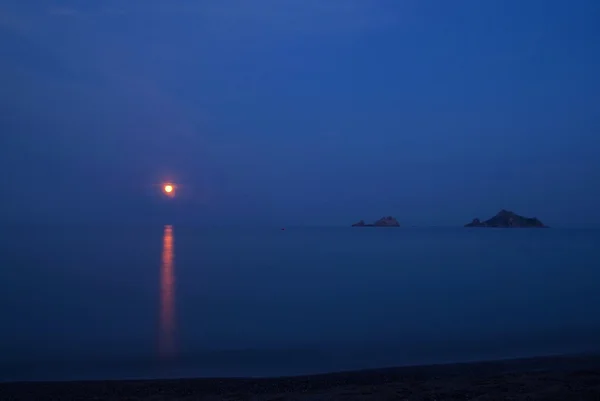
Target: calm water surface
x=123, y=302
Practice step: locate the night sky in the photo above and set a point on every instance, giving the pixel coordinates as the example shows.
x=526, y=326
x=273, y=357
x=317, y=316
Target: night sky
x=300, y=112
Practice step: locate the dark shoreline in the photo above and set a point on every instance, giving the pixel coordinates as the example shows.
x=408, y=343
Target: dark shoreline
x=542, y=378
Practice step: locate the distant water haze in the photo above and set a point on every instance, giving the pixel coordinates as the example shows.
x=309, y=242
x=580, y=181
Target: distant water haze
x=175, y=300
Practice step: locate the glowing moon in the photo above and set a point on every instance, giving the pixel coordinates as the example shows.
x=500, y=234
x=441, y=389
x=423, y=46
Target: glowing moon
x=169, y=189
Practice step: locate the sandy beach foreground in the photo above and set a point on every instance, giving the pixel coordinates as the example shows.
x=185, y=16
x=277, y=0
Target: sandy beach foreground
x=559, y=378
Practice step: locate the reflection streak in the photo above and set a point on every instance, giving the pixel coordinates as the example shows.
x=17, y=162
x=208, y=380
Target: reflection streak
x=167, y=296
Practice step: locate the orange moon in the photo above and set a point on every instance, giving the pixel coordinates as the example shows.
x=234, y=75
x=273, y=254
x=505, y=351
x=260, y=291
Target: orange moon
x=169, y=189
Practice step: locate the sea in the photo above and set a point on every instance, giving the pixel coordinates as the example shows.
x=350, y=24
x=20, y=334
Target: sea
x=128, y=302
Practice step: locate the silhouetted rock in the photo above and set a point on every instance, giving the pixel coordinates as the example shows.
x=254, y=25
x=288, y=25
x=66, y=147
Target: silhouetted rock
x=382, y=222
x=387, y=222
x=506, y=219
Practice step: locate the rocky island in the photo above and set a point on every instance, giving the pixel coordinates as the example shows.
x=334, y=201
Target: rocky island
x=507, y=219
x=382, y=222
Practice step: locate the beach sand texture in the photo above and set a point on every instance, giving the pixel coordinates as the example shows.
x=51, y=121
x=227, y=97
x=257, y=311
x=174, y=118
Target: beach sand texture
x=548, y=378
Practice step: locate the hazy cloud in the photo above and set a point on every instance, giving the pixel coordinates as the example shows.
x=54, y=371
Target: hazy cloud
x=14, y=22
x=302, y=16
x=298, y=15
x=64, y=12
x=290, y=11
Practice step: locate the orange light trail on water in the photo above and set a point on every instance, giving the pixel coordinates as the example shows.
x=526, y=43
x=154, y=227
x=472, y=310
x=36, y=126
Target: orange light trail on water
x=167, y=296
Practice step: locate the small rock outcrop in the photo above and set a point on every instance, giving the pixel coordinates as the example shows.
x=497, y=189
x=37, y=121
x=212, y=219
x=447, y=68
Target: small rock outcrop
x=388, y=221
x=507, y=219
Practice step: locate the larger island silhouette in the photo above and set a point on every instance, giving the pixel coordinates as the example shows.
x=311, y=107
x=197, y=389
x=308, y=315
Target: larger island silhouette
x=388, y=221
x=508, y=219
x=503, y=219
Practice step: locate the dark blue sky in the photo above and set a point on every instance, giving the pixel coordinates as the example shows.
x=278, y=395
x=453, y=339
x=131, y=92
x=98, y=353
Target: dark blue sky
x=300, y=111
